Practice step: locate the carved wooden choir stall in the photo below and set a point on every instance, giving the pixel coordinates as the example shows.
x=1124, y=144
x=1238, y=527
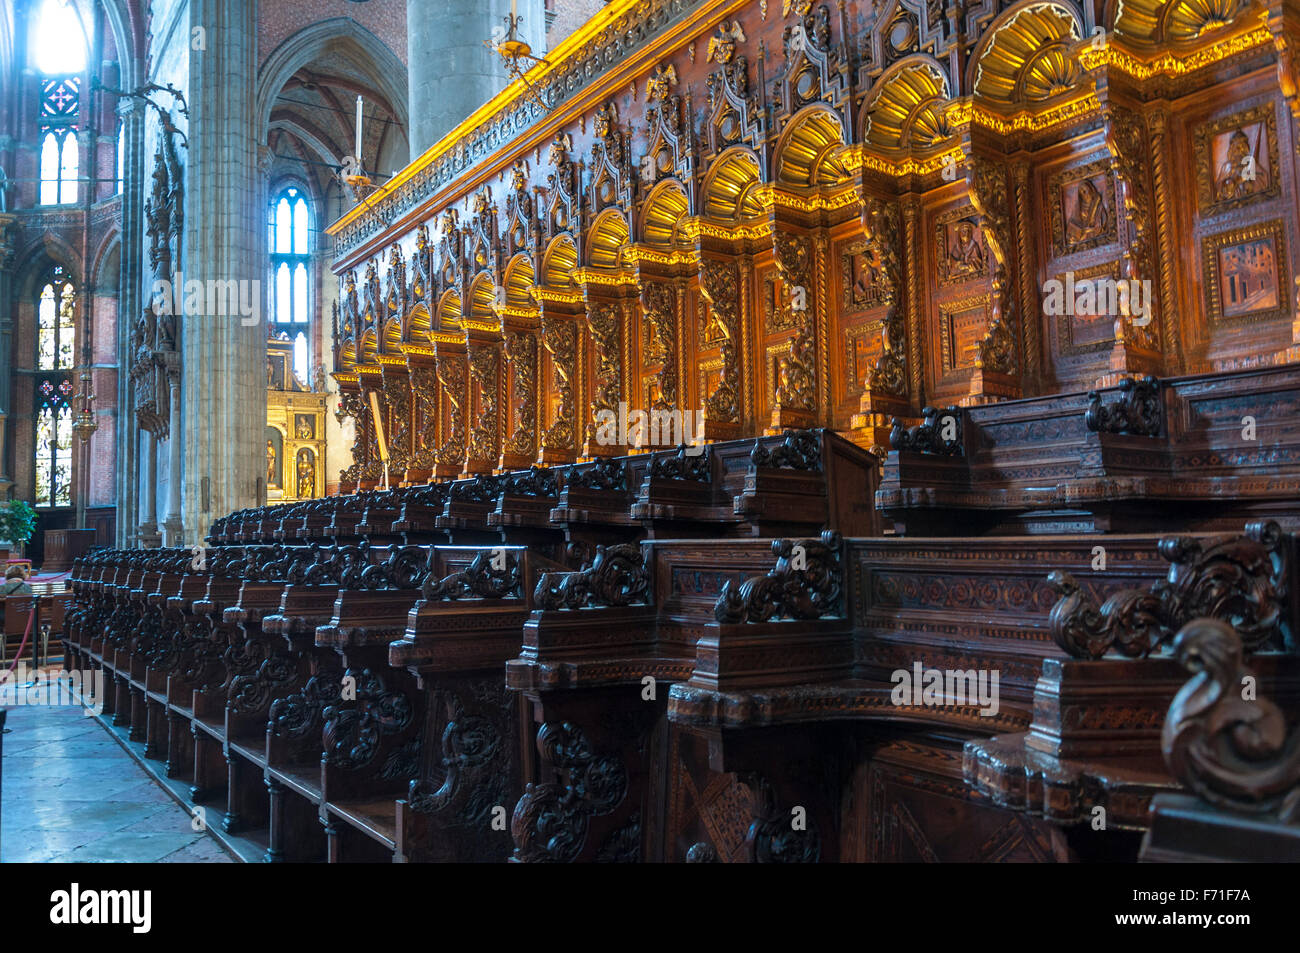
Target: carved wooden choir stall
x=825, y=432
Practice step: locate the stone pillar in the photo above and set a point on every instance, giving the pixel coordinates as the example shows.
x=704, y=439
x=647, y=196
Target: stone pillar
x=451, y=73
x=130, y=439
x=223, y=411
x=7, y=243
x=172, y=526
x=147, y=533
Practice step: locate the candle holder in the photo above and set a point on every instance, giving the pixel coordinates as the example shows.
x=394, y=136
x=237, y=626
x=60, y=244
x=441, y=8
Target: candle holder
x=83, y=421
x=515, y=50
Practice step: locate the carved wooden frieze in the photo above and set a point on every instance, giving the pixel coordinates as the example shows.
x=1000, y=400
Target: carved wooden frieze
x=484, y=372
x=560, y=337
x=721, y=296
x=521, y=353
x=451, y=374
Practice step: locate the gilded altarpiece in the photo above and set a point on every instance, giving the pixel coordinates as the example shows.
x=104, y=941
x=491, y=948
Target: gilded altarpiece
x=295, y=452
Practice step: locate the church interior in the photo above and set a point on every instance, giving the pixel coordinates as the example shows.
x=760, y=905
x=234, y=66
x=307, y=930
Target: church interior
x=650, y=431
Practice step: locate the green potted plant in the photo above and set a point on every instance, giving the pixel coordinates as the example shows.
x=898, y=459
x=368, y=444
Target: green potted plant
x=17, y=523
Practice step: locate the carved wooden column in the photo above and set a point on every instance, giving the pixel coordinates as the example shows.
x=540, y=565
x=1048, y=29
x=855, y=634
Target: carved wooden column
x=395, y=403
x=483, y=449
x=560, y=337
x=1284, y=25
x=885, y=389
x=1136, y=348
x=998, y=363
x=425, y=392
x=720, y=291
x=606, y=388
x=797, y=388
x=454, y=378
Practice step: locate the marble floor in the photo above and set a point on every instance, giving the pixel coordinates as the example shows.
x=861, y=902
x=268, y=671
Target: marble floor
x=70, y=793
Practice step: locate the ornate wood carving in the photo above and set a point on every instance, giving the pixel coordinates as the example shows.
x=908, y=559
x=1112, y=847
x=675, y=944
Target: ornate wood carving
x=805, y=584
x=1232, y=752
x=718, y=288
x=560, y=337
x=521, y=352
x=1243, y=580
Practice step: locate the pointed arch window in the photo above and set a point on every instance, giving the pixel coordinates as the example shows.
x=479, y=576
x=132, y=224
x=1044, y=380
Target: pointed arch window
x=59, y=54
x=291, y=273
x=56, y=331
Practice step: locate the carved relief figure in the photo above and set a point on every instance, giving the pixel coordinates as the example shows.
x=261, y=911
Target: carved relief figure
x=306, y=471
x=1241, y=168
x=270, y=464
x=860, y=276
x=1088, y=216
x=960, y=252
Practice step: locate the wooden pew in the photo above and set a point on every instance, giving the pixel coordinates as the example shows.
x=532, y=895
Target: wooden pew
x=1199, y=453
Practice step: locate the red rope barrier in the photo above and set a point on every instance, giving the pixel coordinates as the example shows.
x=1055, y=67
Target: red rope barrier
x=26, y=632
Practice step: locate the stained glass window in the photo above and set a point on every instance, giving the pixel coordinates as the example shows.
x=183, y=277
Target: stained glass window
x=56, y=333
x=60, y=55
x=291, y=272
x=56, y=323
x=54, y=443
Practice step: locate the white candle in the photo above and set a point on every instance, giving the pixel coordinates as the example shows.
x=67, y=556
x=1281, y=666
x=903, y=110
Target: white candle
x=358, y=156
x=513, y=10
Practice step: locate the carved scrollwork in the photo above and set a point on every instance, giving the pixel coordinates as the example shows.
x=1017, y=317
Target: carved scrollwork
x=559, y=337
x=604, y=473
x=617, y=577
x=354, y=731
x=721, y=293
x=551, y=820
x=493, y=574
x=604, y=324
x=772, y=838
x=1242, y=580
x=939, y=432
x=451, y=372
x=657, y=299
x=539, y=482
x=483, y=370
x=521, y=351
x=805, y=584
x=1138, y=410
x=682, y=464
x=1231, y=752
x=799, y=450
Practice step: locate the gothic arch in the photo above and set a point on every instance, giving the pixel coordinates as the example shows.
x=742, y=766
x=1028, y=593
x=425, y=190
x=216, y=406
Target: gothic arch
x=337, y=37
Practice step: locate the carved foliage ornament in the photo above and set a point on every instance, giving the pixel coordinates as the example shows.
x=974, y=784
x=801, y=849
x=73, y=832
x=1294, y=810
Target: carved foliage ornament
x=1138, y=410
x=617, y=577
x=1242, y=580
x=720, y=291
x=804, y=584
x=1234, y=753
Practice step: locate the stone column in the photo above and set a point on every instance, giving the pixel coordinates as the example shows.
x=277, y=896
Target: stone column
x=130, y=439
x=7, y=242
x=147, y=533
x=450, y=72
x=172, y=526
x=223, y=412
